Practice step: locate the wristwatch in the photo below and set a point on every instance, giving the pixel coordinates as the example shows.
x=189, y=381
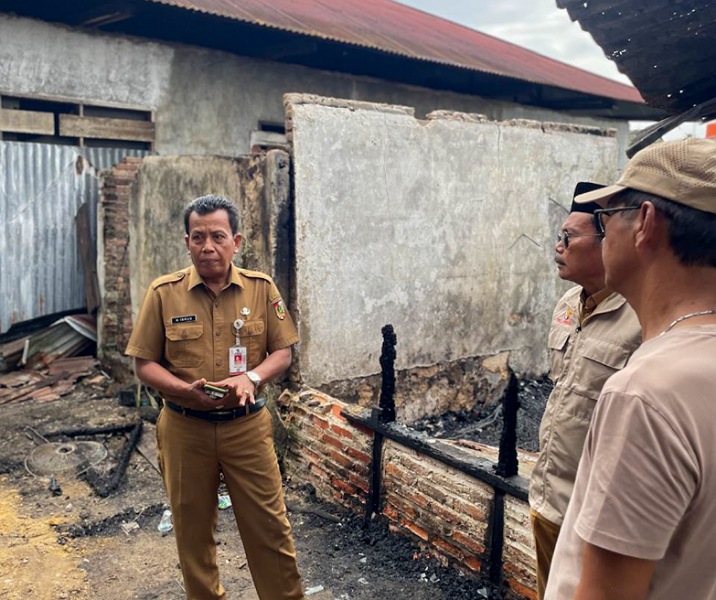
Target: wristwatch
x=255, y=378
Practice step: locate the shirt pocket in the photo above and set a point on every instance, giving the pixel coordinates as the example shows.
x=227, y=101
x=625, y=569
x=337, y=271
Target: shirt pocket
x=557, y=344
x=184, y=345
x=254, y=338
x=600, y=359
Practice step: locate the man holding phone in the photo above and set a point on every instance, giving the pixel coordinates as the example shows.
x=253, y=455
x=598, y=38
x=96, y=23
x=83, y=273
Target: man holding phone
x=207, y=338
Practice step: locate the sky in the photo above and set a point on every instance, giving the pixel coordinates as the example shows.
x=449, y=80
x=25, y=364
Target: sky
x=539, y=26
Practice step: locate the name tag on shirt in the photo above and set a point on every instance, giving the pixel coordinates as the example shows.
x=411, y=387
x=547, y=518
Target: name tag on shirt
x=184, y=319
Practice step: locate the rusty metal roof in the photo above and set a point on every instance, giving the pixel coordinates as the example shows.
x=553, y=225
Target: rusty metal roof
x=666, y=47
x=397, y=29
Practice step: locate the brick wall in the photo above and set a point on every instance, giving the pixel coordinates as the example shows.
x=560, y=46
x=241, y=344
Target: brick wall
x=443, y=509
x=115, y=317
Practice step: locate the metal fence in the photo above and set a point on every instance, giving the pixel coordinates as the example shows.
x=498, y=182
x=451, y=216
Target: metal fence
x=42, y=187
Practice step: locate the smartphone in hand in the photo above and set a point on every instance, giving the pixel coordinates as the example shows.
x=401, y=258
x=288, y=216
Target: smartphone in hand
x=214, y=391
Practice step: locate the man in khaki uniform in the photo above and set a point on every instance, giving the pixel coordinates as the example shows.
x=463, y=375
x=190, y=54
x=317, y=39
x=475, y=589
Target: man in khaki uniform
x=593, y=333
x=641, y=523
x=207, y=324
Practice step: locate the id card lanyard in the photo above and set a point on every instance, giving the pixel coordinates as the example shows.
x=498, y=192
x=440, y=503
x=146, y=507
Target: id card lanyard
x=237, y=352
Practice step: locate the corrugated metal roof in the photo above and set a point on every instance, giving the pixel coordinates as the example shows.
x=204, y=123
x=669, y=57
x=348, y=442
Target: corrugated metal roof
x=667, y=48
x=397, y=29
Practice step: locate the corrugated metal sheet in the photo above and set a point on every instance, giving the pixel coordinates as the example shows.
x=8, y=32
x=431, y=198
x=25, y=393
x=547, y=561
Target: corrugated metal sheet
x=40, y=194
x=397, y=29
x=667, y=48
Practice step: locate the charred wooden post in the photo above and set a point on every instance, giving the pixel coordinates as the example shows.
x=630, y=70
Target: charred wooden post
x=383, y=413
x=387, y=366
x=507, y=461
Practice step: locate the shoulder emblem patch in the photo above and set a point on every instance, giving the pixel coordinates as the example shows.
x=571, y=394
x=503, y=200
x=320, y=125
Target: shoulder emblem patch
x=280, y=309
x=566, y=318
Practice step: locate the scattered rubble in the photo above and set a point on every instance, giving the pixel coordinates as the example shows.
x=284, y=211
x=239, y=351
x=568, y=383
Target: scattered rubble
x=486, y=427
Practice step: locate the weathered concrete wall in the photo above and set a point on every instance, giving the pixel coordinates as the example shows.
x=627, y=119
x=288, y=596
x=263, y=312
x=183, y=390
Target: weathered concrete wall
x=444, y=228
x=166, y=184
x=205, y=102
x=440, y=507
x=142, y=229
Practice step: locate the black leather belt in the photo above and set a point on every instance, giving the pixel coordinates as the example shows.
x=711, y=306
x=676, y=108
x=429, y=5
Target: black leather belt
x=218, y=415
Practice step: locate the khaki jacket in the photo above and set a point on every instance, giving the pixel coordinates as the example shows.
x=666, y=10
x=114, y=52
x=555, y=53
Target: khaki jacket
x=187, y=329
x=583, y=356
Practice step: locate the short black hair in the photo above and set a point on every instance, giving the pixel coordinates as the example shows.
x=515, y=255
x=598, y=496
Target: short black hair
x=692, y=232
x=209, y=204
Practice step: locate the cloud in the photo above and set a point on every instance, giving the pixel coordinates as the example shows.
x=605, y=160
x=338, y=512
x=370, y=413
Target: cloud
x=537, y=25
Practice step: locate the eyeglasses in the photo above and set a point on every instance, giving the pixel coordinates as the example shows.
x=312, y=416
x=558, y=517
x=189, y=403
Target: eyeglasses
x=565, y=236
x=598, y=216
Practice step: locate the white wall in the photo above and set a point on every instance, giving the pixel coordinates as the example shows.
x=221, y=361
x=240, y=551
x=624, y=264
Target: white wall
x=444, y=228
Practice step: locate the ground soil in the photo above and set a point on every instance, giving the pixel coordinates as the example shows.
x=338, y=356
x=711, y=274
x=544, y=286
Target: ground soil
x=74, y=544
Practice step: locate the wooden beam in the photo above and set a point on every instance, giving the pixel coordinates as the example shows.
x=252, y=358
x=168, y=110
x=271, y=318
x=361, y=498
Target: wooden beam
x=110, y=129
x=27, y=121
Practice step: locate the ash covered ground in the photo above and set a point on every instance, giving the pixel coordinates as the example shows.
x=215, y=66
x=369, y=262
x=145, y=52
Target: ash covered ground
x=485, y=426
x=109, y=548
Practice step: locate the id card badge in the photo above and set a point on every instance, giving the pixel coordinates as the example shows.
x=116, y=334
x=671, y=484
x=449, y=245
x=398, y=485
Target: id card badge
x=237, y=352
x=237, y=360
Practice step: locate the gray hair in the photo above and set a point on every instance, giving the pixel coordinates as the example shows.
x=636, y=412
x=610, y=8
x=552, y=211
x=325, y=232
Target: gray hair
x=209, y=204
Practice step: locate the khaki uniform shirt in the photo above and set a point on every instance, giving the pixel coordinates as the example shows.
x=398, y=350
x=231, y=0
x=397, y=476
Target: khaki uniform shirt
x=188, y=330
x=584, y=352
x=647, y=479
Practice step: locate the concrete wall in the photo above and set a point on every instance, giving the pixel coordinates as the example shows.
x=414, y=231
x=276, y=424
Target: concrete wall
x=205, y=102
x=444, y=228
x=142, y=229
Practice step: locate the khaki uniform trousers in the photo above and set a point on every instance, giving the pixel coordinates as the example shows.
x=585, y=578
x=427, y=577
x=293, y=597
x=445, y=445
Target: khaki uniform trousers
x=545, y=534
x=192, y=452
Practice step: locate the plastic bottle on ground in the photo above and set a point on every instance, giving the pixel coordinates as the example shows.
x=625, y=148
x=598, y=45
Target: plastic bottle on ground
x=165, y=524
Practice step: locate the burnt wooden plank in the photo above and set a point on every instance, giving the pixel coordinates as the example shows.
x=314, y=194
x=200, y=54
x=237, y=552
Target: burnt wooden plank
x=111, y=129
x=27, y=121
x=88, y=254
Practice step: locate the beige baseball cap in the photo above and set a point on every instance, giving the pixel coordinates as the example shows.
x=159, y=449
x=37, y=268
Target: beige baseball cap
x=683, y=171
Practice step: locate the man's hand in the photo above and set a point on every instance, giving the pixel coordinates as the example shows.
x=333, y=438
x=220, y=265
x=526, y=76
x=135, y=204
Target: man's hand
x=241, y=390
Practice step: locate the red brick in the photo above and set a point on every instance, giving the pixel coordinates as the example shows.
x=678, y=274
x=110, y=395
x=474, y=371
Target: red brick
x=520, y=590
x=448, y=548
x=342, y=432
x=329, y=439
x=474, y=512
x=316, y=470
x=418, y=499
x=336, y=409
x=344, y=486
x=358, y=455
x=404, y=508
x=360, y=482
x=322, y=423
x=390, y=513
x=473, y=563
x=421, y=533
x=341, y=459
x=310, y=455
x=468, y=543
x=445, y=514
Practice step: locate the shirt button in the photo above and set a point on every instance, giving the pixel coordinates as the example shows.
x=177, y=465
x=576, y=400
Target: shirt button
x=218, y=333
x=218, y=363
x=183, y=335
